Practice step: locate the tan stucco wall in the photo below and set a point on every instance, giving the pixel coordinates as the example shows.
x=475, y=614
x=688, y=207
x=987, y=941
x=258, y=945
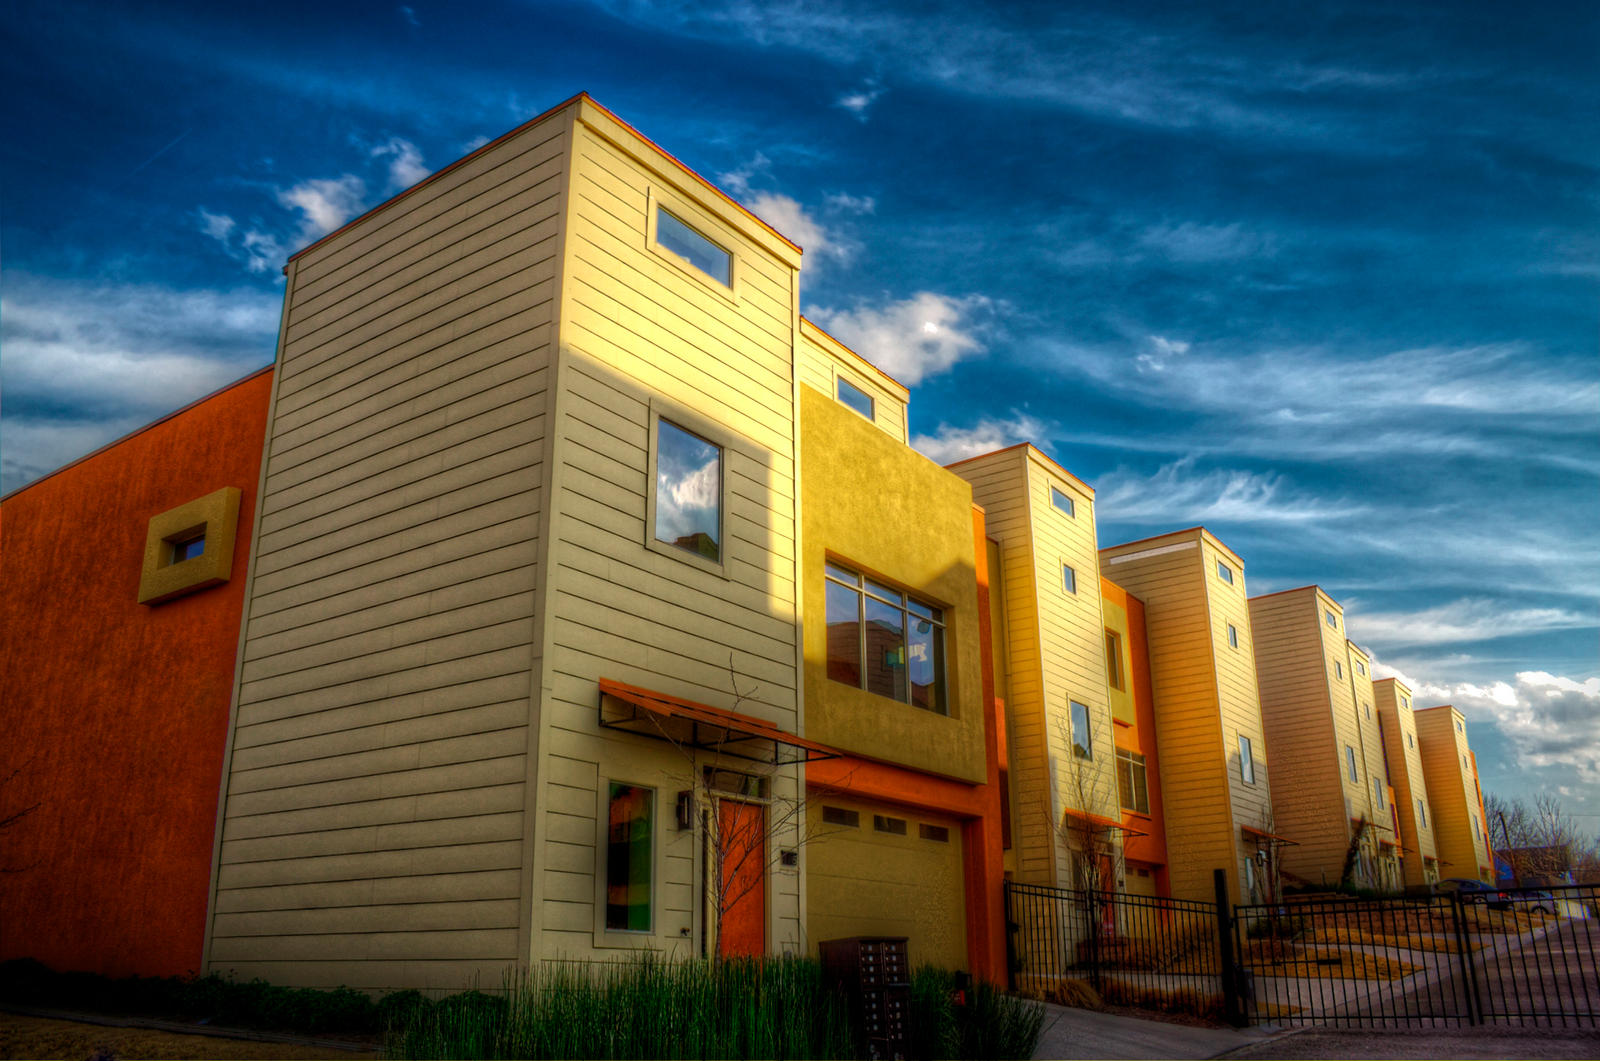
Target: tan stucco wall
x=888, y=511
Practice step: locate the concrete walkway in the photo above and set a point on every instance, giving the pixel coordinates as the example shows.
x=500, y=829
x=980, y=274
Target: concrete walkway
x=1083, y=1033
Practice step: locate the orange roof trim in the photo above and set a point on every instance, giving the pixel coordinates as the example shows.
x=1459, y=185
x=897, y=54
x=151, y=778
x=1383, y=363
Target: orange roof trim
x=1250, y=832
x=697, y=725
x=808, y=322
x=1097, y=821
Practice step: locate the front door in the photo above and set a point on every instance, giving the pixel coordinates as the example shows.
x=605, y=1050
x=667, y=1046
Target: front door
x=741, y=849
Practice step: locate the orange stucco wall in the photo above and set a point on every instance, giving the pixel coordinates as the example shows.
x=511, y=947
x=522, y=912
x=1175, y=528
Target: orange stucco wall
x=1147, y=840
x=115, y=713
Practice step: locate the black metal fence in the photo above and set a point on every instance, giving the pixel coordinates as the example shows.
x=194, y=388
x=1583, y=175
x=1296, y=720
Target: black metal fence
x=1131, y=949
x=1515, y=956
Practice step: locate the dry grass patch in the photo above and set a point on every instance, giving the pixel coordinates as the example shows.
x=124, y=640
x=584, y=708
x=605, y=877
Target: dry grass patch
x=1279, y=958
x=22, y=1037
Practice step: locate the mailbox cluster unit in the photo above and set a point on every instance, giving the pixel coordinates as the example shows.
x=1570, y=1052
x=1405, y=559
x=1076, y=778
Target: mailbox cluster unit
x=875, y=974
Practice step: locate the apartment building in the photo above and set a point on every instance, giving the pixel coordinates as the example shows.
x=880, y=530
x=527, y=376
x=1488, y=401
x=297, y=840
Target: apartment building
x=1455, y=799
x=121, y=587
x=1063, y=789
x=1331, y=791
x=1419, y=857
x=1219, y=813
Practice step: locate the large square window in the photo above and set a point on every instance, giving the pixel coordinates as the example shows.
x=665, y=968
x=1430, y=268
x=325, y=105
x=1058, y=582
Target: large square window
x=630, y=836
x=1082, y=738
x=688, y=491
x=885, y=641
x=675, y=235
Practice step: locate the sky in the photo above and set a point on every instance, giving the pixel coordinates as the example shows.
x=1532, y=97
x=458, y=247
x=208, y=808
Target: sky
x=1324, y=281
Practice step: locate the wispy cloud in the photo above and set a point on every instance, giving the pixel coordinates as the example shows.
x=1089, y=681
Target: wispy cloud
x=405, y=163
x=409, y=15
x=86, y=362
x=859, y=101
x=950, y=444
x=1460, y=621
x=1178, y=492
x=913, y=338
x=794, y=221
x=325, y=203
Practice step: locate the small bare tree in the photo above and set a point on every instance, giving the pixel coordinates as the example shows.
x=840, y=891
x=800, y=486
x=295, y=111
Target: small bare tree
x=1354, y=854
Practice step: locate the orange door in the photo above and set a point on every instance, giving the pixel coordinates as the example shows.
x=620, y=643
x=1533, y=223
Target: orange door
x=742, y=843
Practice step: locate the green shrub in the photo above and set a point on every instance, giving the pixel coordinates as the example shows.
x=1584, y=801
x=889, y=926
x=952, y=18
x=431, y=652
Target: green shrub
x=986, y=1023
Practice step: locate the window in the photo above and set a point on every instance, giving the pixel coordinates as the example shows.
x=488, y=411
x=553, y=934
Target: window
x=1332, y=621
x=1366, y=706
x=939, y=834
x=1069, y=579
x=1405, y=703
x=629, y=853
x=1247, y=761
x=1060, y=500
x=1225, y=572
x=688, y=494
x=1360, y=667
x=1132, y=782
x=1082, y=741
x=1422, y=812
x=1350, y=761
x=676, y=236
x=1338, y=669
x=1114, y=673
x=1463, y=762
x=189, y=548
x=1410, y=742
x=1377, y=790
x=855, y=397
x=1233, y=635
x=893, y=826
x=883, y=641
x=840, y=816
x=1458, y=727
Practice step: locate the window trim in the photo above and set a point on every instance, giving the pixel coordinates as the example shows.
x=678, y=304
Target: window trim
x=1350, y=764
x=1072, y=731
x=604, y=934
x=1069, y=579
x=841, y=381
x=1233, y=636
x=1138, y=767
x=1247, y=758
x=864, y=593
x=703, y=225
x=1116, y=673
x=1338, y=668
x=1224, y=572
x=712, y=434
x=214, y=516
x=1331, y=619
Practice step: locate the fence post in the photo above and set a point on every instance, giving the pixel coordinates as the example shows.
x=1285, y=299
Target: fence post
x=1011, y=936
x=1232, y=1004
x=1469, y=975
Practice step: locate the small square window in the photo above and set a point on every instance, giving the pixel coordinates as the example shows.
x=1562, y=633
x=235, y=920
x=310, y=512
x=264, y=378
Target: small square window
x=856, y=398
x=1061, y=501
x=1459, y=729
x=1332, y=621
x=1405, y=703
x=1247, y=761
x=189, y=548
x=630, y=844
x=1233, y=635
x=1069, y=579
x=1225, y=572
x=1350, y=761
x=688, y=492
x=1082, y=740
x=675, y=235
x=1361, y=668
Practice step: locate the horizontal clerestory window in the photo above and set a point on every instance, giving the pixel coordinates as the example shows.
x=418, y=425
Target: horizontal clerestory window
x=885, y=641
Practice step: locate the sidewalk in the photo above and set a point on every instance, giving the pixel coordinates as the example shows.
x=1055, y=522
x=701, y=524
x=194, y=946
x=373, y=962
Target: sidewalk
x=1083, y=1033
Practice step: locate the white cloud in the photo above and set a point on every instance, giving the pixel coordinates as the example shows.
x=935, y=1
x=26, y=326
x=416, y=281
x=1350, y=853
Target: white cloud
x=1162, y=350
x=841, y=203
x=1189, y=242
x=325, y=204
x=469, y=146
x=259, y=251
x=950, y=444
x=85, y=363
x=217, y=226
x=738, y=181
x=1465, y=620
x=914, y=338
x=859, y=101
x=1176, y=493
x=405, y=162
x=790, y=218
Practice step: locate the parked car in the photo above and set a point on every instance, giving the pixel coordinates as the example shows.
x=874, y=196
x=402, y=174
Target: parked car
x=1536, y=900
x=1467, y=890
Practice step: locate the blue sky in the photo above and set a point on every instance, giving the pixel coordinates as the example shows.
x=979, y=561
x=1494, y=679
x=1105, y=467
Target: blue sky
x=1323, y=281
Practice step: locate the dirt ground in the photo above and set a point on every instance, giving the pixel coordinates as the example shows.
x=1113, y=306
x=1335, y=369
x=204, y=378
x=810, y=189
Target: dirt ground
x=40, y=1038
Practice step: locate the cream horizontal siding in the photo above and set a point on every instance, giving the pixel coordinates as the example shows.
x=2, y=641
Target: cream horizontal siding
x=1404, y=760
x=373, y=829
x=1196, y=797
x=635, y=329
x=824, y=361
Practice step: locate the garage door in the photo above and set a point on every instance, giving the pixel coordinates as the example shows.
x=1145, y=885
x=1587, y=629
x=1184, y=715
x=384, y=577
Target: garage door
x=880, y=870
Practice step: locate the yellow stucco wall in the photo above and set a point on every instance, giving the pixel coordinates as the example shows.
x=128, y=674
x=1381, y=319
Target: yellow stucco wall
x=882, y=508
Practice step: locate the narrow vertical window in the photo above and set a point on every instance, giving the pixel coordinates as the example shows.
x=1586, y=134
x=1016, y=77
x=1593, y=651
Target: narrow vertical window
x=1422, y=812
x=1338, y=669
x=1069, y=579
x=1233, y=635
x=1082, y=740
x=1061, y=501
x=1350, y=760
x=886, y=642
x=1247, y=761
x=856, y=398
x=629, y=845
x=674, y=235
x=1225, y=572
x=1114, y=673
x=688, y=491
x=844, y=625
x=1133, y=788
x=1377, y=790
